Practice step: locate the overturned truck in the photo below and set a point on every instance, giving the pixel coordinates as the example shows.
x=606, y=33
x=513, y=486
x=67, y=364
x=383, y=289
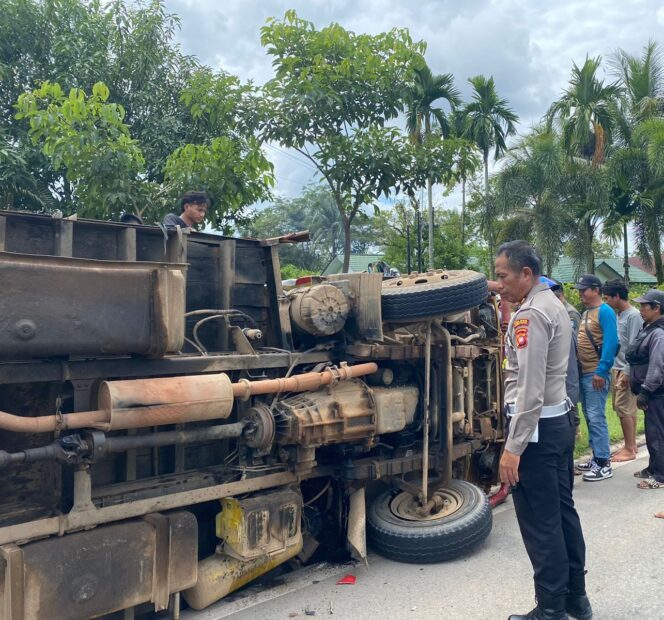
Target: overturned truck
x=173, y=424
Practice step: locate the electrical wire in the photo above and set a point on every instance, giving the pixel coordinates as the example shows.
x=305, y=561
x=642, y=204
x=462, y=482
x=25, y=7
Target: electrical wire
x=295, y=360
x=193, y=344
x=320, y=494
x=214, y=314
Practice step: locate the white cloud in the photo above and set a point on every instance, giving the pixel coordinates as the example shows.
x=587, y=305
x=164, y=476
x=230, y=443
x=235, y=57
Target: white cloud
x=528, y=46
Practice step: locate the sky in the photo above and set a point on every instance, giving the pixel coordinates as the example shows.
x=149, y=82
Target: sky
x=527, y=45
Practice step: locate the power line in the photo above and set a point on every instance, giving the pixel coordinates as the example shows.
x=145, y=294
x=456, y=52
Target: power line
x=293, y=157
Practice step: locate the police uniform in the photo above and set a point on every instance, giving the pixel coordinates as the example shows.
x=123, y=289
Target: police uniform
x=541, y=431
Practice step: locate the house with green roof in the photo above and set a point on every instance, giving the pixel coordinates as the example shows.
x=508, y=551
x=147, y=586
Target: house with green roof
x=568, y=271
x=358, y=263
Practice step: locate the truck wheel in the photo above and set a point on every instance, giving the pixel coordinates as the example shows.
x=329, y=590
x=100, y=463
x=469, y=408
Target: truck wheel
x=399, y=533
x=433, y=293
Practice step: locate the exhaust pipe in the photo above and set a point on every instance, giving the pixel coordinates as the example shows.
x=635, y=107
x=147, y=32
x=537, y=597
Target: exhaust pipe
x=141, y=403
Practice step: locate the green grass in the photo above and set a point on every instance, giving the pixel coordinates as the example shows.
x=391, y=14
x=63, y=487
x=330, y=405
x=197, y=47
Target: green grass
x=615, y=431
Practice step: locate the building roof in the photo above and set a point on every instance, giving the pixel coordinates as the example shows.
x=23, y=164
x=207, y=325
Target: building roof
x=358, y=263
x=567, y=270
x=635, y=261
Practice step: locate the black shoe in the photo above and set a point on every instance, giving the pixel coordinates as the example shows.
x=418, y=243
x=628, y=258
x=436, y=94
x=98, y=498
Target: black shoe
x=578, y=606
x=541, y=613
x=586, y=466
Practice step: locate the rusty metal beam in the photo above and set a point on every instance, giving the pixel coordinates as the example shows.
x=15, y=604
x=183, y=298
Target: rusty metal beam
x=97, y=516
x=43, y=370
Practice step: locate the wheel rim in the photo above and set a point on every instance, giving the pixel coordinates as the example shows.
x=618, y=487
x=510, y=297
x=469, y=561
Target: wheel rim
x=417, y=279
x=406, y=507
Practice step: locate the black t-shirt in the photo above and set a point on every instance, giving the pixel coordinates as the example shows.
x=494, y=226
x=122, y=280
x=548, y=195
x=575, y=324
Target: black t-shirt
x=172, y=220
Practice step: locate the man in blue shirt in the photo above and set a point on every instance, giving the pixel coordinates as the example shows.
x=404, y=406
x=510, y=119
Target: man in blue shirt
x=597, y=347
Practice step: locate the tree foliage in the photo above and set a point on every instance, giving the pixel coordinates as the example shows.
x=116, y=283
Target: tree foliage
x=314, y=210
x=86, y=137
x=331, y=98
x=102, y=112
x=397, y=231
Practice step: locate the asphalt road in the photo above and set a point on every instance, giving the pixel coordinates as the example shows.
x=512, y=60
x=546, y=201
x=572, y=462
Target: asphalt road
x=625, y=570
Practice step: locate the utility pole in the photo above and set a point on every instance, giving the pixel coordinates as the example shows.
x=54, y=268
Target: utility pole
x=408, y=265
x=419, y=242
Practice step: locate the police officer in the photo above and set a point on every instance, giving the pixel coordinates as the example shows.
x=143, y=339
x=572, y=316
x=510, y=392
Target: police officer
x=537, y=459
x=646, y=359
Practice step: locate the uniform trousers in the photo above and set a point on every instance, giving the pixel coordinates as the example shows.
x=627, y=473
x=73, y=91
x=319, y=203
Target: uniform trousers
x=545, y=511
x=654, y=423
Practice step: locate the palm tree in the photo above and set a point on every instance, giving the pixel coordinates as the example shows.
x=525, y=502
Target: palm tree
x=648, y=138
x=586, y=115
x=489, y=120
x=642, y=81
x=425, y=90
x=587, y=112
x=467, y=162
x=528, y=188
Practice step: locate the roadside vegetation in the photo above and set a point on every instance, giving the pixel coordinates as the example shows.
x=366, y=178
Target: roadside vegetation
x=101, y=113
x=582, y=447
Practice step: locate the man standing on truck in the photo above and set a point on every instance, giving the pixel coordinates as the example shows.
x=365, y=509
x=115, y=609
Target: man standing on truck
x=537, y=460
x=193, y=209
x=597, y=347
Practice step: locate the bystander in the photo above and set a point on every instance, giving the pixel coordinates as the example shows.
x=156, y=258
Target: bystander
x=623, y=401
x=597, y=348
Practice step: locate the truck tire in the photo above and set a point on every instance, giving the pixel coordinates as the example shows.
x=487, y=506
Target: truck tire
x=433, y=293
x=398, y=533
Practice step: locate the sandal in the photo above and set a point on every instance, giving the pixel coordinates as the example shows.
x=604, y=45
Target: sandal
x=642, y=473
x=650, y=483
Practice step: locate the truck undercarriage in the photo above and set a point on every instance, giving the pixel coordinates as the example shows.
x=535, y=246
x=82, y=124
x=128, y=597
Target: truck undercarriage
x=173, y=424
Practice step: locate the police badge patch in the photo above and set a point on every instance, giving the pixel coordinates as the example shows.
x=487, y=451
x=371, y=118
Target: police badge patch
x=521, y=333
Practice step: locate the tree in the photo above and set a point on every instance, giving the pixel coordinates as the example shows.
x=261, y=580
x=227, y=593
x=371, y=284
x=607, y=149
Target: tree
x=18, y=186
x=648, y=158
x=331, y=97
x=314, y=210
x=634, y=166
x=425, y=90
x=391, y=227
x=467, y=162
x=88, y=142
x=126, y=46
x=587, y=115
x=489, y=121
x=641, y=79
x=587, y=112
x=528, y=188
x=87, y=138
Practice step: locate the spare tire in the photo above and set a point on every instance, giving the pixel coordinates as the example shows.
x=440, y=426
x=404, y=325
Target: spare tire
x=398, y=532
x=434, y=293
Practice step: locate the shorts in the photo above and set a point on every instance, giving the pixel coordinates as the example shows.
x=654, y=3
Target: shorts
x=624, y=402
